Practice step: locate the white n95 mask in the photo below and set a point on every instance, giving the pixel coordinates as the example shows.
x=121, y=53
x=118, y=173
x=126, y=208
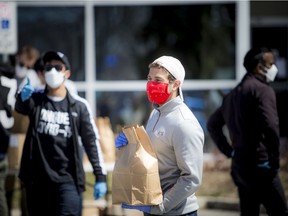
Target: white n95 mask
x=21, y=72
x=271, y=73
x=53, y=78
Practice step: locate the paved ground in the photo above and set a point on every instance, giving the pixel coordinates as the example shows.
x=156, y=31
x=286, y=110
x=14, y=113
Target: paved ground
x=202, y=212
x=209, y=206
x=214, y=212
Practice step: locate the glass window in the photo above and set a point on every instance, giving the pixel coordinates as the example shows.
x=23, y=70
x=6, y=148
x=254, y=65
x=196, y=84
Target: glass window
x=55, y=28
x=123, y=108
x=128, y=38
x=276, y=41
x=126, y=108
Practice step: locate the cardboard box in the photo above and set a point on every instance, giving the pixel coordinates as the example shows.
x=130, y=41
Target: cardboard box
x=15, y=151
x=94, y=207
x=107, y=139
x=21, y=123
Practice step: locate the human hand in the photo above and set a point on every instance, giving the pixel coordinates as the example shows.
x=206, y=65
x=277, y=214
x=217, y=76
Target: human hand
x=265, y=165
x=100, y=189
x=232, y=153
x=144, y=208
x=26, y=91
x=121, y=140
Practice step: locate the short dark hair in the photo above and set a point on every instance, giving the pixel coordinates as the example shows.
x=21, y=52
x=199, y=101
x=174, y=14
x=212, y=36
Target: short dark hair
x=255, y=56
x=39, y=65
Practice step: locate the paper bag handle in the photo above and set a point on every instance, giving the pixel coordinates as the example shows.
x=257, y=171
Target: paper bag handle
x=145, y=140
x=131, y=135
x=138, y=135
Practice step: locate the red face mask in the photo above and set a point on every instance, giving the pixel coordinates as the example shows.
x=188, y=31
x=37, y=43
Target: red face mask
x=157, y=92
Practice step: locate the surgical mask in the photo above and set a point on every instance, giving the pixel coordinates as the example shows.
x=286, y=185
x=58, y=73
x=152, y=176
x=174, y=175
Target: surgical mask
x=157, y=92
x=270, y=73
x=21, y=72
x=54, y=79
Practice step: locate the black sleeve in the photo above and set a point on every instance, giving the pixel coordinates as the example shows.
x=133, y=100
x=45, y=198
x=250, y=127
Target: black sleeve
x=6, y=118
x=215, y=126
x=90, y=139
x=5, y=137
x=24, y=107
x=270, y=124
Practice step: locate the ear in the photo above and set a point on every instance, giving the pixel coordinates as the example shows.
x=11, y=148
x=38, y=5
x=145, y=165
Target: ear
x=176, y=84
x=67, y=74
x=259, y=68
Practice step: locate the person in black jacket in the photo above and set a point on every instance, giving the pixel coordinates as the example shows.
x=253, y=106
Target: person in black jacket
x=51, y=165
x=8, y=88
x=250, y=114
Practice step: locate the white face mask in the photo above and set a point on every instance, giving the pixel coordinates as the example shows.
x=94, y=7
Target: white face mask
x=271, y=73
x=54, y=79
x=21, y=72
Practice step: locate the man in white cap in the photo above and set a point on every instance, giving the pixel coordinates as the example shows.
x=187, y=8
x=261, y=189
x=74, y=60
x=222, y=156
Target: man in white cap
x=177, y=138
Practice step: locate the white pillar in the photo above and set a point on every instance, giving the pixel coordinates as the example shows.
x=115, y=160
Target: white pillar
x=90, y=55
x=242, y=35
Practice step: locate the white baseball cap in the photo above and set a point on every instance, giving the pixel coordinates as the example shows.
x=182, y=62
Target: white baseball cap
x=174, y=67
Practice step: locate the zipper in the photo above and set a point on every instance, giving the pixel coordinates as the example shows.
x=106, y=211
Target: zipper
x=157, y=120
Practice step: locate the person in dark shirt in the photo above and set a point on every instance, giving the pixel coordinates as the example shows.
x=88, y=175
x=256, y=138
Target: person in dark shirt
x=51, y=165
x=8, y=88
x=249, y=111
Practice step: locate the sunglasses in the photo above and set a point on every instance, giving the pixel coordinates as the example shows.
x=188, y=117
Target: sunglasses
x=21, y=64
x=49, y=67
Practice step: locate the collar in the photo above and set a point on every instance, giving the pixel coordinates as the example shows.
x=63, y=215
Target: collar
x=70, y=98
x=259, y=77
x=170, y=105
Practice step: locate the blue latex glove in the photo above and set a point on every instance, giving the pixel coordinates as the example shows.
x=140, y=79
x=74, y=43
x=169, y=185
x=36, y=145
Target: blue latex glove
x=264, y=165
x=100, y=189
x=121, y=140
x=145, y=208
x=26, y=91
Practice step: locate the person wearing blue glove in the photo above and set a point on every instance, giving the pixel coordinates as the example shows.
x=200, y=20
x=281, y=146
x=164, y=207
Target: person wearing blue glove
x=51, y=166
x=177, y=138
x=8, y=89
x=100, y=189
x=249, y=112
x=26, y=91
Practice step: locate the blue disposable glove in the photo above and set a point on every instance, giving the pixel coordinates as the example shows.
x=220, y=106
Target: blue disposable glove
x=121, y=140
x=144, y=208
x=264, y=165
x=26, y=91
x=100, y=189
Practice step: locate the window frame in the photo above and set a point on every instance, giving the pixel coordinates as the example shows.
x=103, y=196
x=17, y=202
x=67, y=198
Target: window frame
x=91, y=85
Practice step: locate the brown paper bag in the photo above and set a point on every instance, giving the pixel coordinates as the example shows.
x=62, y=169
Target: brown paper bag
x=135, y=178
x=15, y=151
x=21, y=123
